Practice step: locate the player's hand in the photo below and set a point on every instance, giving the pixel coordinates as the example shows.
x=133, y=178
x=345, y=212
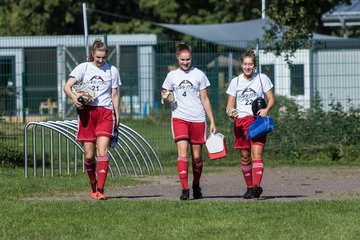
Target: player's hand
x=167, y=96
x=232, y=113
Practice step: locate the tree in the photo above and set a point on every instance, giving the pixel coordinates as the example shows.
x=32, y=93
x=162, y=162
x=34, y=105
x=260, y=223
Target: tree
x=294, y=22
x=142, y=16
x=40, y=17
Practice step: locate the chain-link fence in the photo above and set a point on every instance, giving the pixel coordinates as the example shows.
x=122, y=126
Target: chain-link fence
x=33, y=71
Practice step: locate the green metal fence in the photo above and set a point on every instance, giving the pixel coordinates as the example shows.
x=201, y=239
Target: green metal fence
x=33, y=71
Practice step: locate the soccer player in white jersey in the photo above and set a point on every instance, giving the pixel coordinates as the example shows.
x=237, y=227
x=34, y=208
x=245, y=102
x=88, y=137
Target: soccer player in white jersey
x=242, y=91
x=99, y=118
x=188, y=122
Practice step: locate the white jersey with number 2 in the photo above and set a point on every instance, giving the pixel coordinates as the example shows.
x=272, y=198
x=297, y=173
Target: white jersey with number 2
x=186, y=86
x=100, y=79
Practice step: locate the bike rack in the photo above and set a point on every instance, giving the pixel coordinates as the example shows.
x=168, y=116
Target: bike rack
x=58, y=148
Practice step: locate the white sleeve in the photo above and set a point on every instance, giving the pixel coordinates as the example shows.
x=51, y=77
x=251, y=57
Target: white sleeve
x=79, y=71
x=267, y=84
x=204, y=83
x=116, y=80
x=232, y=87
x=167, y=81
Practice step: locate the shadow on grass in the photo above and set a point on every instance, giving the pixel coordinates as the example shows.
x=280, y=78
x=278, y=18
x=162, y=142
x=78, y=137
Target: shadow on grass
x=135, y=197
x=218, y=197
x=261, y=198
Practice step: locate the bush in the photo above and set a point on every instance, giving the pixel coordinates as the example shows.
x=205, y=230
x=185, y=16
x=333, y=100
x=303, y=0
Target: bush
x=10, y=157
x=314, y=134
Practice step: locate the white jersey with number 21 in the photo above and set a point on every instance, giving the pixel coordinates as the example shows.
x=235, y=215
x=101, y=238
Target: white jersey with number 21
x=101, y=80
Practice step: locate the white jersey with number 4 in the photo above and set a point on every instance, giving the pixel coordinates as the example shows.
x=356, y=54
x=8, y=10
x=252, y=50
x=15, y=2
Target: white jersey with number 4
x=246, y=91
x=186, y=86
x=100, y=79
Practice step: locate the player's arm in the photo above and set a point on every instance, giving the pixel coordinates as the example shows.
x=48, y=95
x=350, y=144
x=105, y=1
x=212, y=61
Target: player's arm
x=207, y=107
x=115, y=100
x=230, y=107
x=67, y=89
x=167, y=92
x=270, y=103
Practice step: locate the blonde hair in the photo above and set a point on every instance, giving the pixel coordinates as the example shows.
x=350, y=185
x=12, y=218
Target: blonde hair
x=249, y=54
x=98, y=45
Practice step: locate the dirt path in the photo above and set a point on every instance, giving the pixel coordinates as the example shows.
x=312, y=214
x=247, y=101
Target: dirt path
x=280, y=184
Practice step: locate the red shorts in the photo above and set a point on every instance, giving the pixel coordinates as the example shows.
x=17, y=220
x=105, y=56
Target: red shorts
x=240, y=130
x=194, y=132
x=95, y=122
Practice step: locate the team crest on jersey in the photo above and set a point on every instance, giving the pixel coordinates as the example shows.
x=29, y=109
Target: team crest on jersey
x=248, y=93
x=96, y=83
x=185, y=84
x=96, y=78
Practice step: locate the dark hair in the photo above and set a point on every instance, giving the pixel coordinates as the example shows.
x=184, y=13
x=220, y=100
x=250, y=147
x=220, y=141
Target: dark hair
x=183, y=47
x=98, y=45
x=249, y=54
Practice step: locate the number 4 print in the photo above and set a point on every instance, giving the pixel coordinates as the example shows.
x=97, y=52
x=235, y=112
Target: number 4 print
x=184, y=94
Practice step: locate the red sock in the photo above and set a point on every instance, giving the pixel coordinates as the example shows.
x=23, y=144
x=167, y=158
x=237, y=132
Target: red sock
x=197, y=166
x=257, y=172
x=247, y=173
x=90, y=166
x=102, y=170
x=182, y=167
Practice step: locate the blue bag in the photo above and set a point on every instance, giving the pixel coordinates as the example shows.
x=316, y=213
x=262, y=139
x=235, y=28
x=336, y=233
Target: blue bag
x=260, y=127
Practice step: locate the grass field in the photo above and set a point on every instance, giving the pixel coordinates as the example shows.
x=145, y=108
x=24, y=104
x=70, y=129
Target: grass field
x=24, y=217
x=179, y=220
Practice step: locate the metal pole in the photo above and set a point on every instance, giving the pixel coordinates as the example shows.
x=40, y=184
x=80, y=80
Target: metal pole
x=86, y=35
x=230, y=66
x=263, y=6
x=257, y=55
x=23, y=97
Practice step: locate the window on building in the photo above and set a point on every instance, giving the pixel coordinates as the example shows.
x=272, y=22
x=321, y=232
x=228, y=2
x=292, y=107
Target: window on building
x=269, y=70
x=7, y=85
x=297, y=79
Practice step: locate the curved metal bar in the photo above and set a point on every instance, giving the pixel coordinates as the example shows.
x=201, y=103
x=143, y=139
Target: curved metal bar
x=52, y=153
x=121, y=131
x=128, y=157
x=60, y=131
x=130, y=144
x=34, y=151
x=73, y=126
x=133, y=154
x=129, y=139
x=43, y=150
x=123, y=162
x=25, y=151
x=147, y=143
x=110, y=168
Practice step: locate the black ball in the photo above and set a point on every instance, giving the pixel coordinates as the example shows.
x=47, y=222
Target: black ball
x=81, y=100
x=258, y=104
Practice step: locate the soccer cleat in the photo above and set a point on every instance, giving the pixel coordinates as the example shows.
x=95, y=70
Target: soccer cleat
x=249, y=193
x=257, y=192
x=185, y=194
x=93, y=192
x=93, y=195
x=100, y=194
x=197, y=191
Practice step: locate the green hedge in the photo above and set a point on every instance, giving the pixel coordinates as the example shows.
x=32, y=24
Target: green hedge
x=10, y=156
x=313, y=134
